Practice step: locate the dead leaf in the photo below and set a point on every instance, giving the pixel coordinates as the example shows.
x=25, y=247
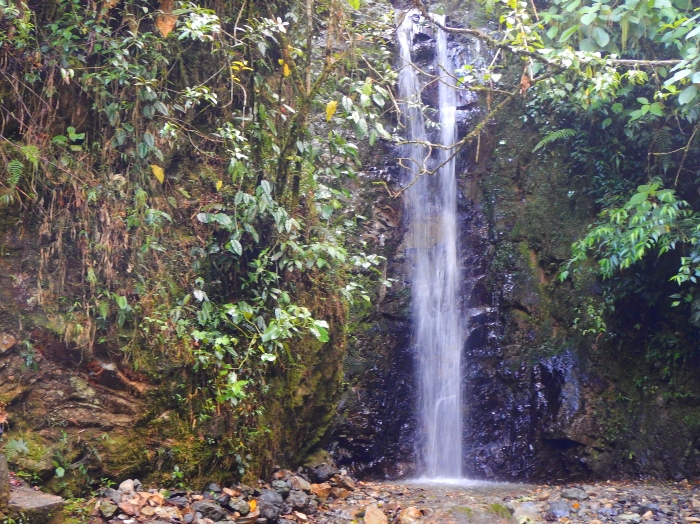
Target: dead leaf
x=253, y=504
x=158, y=172
x=524, y=84
x=166, y=21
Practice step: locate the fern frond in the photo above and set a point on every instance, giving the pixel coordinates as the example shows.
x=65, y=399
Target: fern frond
x=16, y=446
x=14, y=173
x=663, y=145
x=554, y=135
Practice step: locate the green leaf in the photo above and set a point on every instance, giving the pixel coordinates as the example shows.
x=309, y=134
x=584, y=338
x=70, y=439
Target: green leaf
x=567, y=34
x=589, y=18
x=687, y=95
x=552, y=32
x=60, y=472
x=637, y=199
x=355, y=4
x=600, y=36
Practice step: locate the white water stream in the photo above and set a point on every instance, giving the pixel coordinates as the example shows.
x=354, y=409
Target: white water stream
x=431, y=207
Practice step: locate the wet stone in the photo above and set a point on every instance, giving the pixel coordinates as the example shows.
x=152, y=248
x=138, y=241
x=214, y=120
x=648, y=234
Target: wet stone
x=210, y=510
x=297, y=499
x=268, y=510
x=281, y=487
x=271, y=496
x=574, y=494
x=113, y=495
x=239, y=505
x=558, y=509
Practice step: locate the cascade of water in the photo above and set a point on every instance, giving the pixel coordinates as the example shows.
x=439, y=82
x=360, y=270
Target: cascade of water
x=431, y=209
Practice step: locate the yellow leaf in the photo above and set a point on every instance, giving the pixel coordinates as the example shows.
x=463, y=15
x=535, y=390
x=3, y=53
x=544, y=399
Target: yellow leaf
x=286, y=71
x=253, y=504
x=219, y=184
x=330, y=109
x=158, y=173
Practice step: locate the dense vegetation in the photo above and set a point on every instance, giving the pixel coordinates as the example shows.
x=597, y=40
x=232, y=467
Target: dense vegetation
x=193, y=157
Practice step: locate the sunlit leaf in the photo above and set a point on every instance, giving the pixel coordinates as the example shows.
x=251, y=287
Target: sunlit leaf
x=331, y=108
x=158, y=172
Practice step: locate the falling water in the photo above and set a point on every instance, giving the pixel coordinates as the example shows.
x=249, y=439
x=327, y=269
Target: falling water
x=432, y=252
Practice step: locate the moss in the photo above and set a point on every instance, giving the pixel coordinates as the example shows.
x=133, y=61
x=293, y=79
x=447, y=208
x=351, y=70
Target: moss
x=500, y=510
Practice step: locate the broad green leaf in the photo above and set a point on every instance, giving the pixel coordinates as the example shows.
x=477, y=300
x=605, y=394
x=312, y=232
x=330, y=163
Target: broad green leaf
x=589, y=18
x=600, y=36
x=355, y=4
x=687, y=95
x=637, y=199
x=567, y=34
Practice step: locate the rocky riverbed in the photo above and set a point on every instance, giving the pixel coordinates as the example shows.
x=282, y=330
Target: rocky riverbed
x=325, y=495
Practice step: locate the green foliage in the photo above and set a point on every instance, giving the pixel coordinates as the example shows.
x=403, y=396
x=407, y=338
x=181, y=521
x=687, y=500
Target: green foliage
x=16, y=446
x=553, y=136
x=653, y=220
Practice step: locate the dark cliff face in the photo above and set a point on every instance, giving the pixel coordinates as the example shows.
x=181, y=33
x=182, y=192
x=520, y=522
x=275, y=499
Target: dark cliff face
x=543, y=401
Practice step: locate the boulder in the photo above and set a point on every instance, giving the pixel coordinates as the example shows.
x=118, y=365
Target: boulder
x=34, y=506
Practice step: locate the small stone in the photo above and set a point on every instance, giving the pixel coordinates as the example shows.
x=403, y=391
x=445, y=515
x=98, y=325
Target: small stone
x=268, y=510
x=692, y=519
x=297, y=499
x=127, y=487
x=344, y=482
x=178, y=501
x=113, y=495
x=147, y=511
x=574, y=494
x=6, y=342
x=558, y=509
x=322, y=491
x=374, y=515
x=107, y=509
x=210, y=510
x=340, y=493
x=188, y=518
x=128, y=508
x=648, y=516
x=543, y=496
x=281, y=487
x=299, y=483
x=410, y=515
x=322, y=473
x=239, y=505
x=632, y=518
x=213, y=487
x=270, y=495
x=223, y=500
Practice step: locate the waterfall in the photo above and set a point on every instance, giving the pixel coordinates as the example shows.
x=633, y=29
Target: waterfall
x=431, y=209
